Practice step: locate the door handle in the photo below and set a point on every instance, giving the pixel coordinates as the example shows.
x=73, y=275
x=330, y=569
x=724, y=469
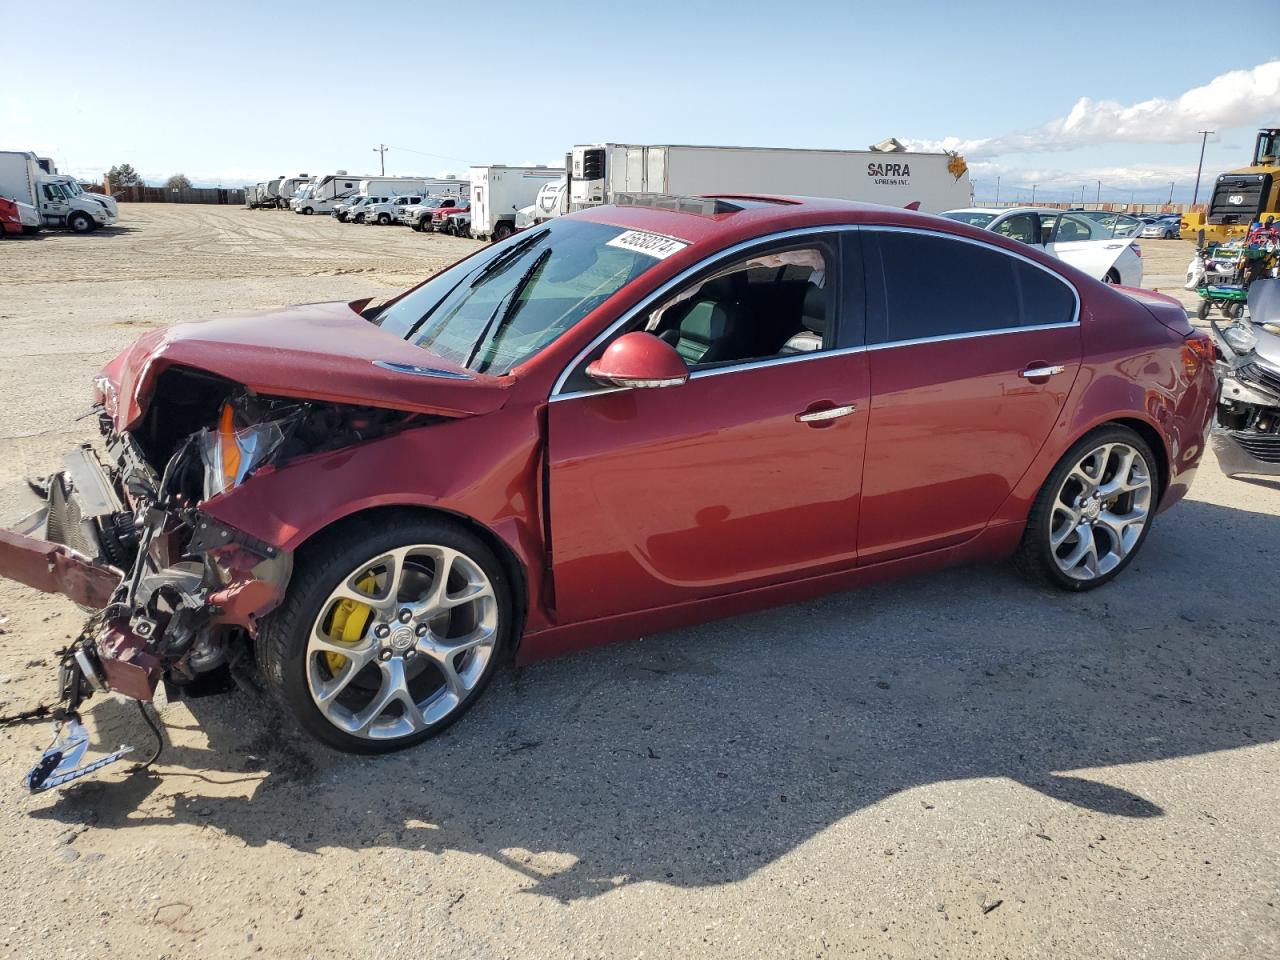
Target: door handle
x=830, y=413
x=1035, y=373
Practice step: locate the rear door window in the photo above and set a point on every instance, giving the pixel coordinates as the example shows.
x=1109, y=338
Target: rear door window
x=924, y=286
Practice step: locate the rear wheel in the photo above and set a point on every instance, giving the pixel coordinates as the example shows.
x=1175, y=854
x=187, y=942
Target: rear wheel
x=1113, y=276
x=389, y=632
x=1093, y=513
x=502, y=231
x=1168, y=234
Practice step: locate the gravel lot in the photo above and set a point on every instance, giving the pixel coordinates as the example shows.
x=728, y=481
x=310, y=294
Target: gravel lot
x=955, y=765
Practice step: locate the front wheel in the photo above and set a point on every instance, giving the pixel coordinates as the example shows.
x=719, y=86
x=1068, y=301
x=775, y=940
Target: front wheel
x=1093, y=513
x=307, y=211
x=80, y=222
x=384, y=219
x=389, y=632
x=1202, y=311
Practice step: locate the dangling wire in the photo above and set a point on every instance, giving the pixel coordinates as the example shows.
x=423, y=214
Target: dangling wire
x=139, y=767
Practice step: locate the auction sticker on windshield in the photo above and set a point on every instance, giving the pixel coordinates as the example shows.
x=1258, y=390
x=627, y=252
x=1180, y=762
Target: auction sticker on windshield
x=651, y=244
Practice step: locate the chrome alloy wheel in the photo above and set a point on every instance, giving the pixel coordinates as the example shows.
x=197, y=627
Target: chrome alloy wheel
x=1100, y=511
x=402, y=641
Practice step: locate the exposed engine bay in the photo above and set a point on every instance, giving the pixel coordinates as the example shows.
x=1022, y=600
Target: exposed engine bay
x=178, y=596
x=1246, y=436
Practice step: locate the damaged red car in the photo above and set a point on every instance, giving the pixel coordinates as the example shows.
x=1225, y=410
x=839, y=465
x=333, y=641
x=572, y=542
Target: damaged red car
x=628, y=419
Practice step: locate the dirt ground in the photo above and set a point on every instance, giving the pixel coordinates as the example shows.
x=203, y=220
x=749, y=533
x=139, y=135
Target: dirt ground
x=955, y=765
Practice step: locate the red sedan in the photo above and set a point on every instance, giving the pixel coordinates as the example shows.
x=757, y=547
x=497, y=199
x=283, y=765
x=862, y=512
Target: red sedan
x=625, y=420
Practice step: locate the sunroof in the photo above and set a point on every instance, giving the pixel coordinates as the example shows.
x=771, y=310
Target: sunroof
x=699, y=206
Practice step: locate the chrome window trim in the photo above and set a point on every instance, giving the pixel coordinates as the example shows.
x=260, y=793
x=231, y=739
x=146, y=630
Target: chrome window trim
x=676, y=281
x=684, y=275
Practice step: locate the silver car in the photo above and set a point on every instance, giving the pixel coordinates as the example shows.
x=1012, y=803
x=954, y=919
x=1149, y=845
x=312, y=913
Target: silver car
x=1167, y=226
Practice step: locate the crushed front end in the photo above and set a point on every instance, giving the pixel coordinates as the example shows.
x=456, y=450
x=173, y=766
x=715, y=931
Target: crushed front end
x=1246, y=435
x=176, y=595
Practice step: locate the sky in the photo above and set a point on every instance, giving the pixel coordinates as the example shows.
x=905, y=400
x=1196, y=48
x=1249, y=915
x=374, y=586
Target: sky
x=1060, y=96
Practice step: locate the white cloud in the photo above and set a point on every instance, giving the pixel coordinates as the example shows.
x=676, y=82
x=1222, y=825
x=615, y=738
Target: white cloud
x=1229, y=100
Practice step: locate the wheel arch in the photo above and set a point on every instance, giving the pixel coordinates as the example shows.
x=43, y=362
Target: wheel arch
x=1155, y=440
x=514, y=567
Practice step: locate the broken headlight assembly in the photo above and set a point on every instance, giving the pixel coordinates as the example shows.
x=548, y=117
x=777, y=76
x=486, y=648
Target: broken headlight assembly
x=240, y=444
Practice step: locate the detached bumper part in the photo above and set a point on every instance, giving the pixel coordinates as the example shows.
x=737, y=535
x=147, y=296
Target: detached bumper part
x=1246, y=451
x=60, y=763
x=55, y=568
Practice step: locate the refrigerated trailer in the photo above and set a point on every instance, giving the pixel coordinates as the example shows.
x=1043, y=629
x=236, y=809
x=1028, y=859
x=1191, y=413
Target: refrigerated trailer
x=499, y=192
x=897, y=178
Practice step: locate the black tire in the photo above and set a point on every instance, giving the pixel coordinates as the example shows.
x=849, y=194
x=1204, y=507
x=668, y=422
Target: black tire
x=1111, y=277
x=1233, y=311
x=307, y=211
x=384, y=218
x=502, y=231
x=80, y=222
x=319, y=567
x=417, y=225
x=1034, y=558
x=1168, y=234
x=1202, y=311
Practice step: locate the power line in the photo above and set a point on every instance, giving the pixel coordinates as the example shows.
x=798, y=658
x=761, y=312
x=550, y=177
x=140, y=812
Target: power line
x=438, y=156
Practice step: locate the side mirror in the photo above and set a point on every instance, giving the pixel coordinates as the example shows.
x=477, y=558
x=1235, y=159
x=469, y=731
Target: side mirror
x=639, y=359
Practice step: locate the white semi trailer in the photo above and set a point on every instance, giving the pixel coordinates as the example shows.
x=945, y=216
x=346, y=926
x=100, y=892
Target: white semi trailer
x=894, y=177
x=499, y=193
x=59, y=199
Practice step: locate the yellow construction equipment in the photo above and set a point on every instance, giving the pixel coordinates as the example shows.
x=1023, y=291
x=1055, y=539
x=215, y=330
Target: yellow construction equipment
x=1242, y=196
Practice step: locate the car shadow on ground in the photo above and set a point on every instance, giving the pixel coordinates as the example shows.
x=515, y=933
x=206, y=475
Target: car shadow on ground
x=698, y=756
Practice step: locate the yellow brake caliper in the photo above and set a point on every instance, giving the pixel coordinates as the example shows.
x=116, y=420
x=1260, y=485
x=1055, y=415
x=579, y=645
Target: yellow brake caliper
x=350, y=618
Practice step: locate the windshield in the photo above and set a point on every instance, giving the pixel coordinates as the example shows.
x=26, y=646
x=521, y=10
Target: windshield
x=973, y=218
x=496, y=310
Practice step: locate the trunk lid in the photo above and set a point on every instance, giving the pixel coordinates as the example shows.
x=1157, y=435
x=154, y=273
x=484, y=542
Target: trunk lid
x=318, y=351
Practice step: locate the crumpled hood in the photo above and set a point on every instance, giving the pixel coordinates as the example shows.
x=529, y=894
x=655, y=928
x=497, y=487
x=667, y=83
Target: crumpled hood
x=317, y=351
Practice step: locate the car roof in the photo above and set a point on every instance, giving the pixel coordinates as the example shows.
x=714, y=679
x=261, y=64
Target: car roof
x=722, y=220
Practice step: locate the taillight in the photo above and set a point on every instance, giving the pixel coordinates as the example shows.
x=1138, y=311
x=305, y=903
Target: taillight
x=1197, y=350
x=1137, y=249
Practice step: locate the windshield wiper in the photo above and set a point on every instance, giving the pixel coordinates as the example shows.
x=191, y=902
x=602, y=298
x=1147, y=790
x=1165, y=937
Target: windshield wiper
x=506, y=310
x=500, y=261
x=511, y=253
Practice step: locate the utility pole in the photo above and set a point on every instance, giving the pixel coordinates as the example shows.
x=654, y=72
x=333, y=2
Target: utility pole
x=1082, y=189
x=1033, y=193
x=1170, y=203
x=997, y=190
x=381, y=150
x=1204, y=135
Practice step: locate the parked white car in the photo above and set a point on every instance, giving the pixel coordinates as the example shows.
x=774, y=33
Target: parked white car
x=1087, y=241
